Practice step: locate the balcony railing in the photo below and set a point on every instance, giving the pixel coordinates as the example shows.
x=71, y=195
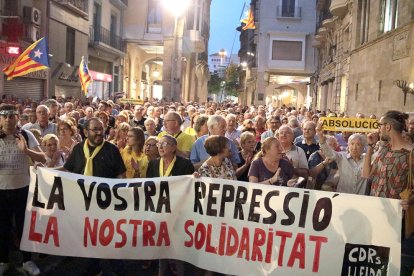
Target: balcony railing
x=323, y=15
x=288, y=13
x=100, y=34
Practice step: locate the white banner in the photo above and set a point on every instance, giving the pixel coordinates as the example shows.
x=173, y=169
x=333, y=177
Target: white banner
x=225, y=226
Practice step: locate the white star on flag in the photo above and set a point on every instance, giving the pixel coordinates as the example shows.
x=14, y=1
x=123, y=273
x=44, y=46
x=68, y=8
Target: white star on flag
x=37, y=53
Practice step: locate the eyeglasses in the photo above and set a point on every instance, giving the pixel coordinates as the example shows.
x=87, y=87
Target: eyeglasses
x=63, y=129
x=381, y=124
x=162, y=144
x=151, y=145
x=96, y=130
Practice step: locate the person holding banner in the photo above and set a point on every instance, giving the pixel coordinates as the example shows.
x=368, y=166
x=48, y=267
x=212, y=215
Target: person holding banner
x=390, y=171
x=217, y=165
x=170, y=164
x=134, y=158
x=350, y=163
x=270, y=167
x=15, y=147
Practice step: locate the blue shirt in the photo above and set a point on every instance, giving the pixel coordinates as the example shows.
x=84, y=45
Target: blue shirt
x=199, y=153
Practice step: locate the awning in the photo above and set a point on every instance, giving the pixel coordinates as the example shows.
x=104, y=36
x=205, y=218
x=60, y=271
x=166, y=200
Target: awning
x=97, y=76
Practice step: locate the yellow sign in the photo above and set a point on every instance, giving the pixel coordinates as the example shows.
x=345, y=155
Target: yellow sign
x=131, y=101
x=349, y=124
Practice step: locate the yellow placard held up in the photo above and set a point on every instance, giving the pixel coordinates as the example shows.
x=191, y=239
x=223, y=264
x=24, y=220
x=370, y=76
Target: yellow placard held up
x=131, y=101
x=349, y=124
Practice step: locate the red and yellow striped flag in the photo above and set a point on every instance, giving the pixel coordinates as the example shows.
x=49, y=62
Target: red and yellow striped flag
x=34, y=58
x=249, y=20
x=84, y=76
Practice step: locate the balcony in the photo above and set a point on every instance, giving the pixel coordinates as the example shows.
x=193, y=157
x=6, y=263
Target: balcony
x=78, y=6
x=316, y=43
x=322, y=31
x=339, y=7
x=286, y=13
x=102, y=35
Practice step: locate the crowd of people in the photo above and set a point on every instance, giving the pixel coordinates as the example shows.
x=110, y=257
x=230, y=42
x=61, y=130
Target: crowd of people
x=259, y=144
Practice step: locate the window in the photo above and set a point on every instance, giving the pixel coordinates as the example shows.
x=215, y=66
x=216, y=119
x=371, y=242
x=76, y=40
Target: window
x=10, y=7
x=154, y=16
x=388, y=15
x=363, y=20
x=96, y=22
x=113, y=31
x=287, y=50
x=194, y=15
x=288, y=8
x=70, y=46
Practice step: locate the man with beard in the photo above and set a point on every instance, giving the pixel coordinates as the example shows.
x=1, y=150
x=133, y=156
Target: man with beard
x=97, y=157
x=94, y=156
x=389, y=171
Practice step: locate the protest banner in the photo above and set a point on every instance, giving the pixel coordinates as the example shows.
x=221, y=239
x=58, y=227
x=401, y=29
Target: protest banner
x=349, y=124
x=220, y=225
x=131, y=101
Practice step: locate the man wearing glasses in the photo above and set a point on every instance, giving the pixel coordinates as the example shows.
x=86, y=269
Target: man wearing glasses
x=96, y=157
x=15, y=147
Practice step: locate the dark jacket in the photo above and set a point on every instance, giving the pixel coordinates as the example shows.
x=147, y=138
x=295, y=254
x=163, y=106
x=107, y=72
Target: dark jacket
x=182, y=166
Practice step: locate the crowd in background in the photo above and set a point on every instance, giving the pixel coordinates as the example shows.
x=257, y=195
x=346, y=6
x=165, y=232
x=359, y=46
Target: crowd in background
x=260, y=144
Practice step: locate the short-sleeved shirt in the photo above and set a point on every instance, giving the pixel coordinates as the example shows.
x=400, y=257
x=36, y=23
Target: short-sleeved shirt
x=199, y=153
x=107, y=163
x=14, y=163
x=390, y=173
x=184, y=141
x=308, y=149
x=259, y=170
x=298, y=157
x=51, y=128
x=225, y=171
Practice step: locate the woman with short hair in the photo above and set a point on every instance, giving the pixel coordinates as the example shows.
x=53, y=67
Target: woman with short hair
x=169, y=164
x=246, y=154
x=350, y=164
x=66, y=131
x=218, y=165
x=150, y=148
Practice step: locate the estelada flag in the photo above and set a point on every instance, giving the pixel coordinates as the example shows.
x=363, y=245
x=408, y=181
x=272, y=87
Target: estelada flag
x=34, y=58
x=249, y=21
x=84, y=75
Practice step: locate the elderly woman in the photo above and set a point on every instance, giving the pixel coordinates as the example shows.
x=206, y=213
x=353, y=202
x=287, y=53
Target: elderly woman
x=134, y=158
x=66, y=132
x=169, y=164
x=248, y=145
x=218, y=165
x=54, y=156
x=350, y=163
x=270, y=167
x=150, y=148
x=150, y=128
x=323, y=169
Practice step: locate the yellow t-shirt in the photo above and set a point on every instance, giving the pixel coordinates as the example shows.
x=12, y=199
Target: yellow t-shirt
x=184, y=141
x=190, y=131
x=142, y=161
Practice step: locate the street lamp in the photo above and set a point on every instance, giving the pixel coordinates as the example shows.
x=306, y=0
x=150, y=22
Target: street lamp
x=407, y=88
x=177, y=8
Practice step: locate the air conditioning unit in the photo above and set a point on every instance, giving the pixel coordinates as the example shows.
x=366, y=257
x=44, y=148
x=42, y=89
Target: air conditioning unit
x=32, y=15
x=33, y=32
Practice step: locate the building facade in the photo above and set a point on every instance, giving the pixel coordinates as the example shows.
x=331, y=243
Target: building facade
x=166, y=55
x=364, y=47
x=23, y=22
x=279, y=53
x=106, y=49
